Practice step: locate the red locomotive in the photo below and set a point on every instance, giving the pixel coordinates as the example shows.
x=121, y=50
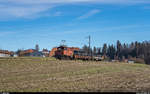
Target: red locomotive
x=64, y=52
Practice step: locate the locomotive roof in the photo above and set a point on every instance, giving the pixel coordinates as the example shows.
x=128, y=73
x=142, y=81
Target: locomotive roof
x=66, y=47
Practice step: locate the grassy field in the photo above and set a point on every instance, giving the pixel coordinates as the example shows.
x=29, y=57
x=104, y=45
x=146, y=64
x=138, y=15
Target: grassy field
x=50, y=75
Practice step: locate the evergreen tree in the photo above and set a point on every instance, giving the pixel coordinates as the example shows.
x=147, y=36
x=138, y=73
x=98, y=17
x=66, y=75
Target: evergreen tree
x=94, y=51
x=85, y=48
x=99, y=51
x=111, y=51
x=118, y=49
x=104, y=49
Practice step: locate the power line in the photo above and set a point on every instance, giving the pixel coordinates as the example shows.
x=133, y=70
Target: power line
x=63, y=42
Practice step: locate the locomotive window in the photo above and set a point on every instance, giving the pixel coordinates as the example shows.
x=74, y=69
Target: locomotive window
x=65, y=48
x=76, y=52
x=59, y=48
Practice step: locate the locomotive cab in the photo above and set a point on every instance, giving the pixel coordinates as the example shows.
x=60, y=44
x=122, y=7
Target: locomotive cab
x=64, y=52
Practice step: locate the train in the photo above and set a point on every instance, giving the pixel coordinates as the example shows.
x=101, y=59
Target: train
x=74, y=53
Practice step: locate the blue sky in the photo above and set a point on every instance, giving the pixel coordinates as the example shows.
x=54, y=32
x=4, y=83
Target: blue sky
x=24, y=23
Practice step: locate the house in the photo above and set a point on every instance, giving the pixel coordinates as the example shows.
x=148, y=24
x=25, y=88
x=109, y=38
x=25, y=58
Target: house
x=114, y=60
x=15, y=55
x=5, y=53
x=31, y=53
x=26, y=52
x=97, y=57
x=45, y=53
x=131, y=61
x=36, y=54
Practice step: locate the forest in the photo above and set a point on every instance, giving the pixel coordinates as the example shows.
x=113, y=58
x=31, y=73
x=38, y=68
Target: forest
x=137, y=51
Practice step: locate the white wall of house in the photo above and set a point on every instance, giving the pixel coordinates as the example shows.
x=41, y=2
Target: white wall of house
x=15, y=55
x=131, y=62
x=4, y=55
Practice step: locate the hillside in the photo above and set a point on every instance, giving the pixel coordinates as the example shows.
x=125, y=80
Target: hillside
x=50, y=75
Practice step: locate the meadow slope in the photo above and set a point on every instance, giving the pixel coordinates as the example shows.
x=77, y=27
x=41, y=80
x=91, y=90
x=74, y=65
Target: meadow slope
x=50, y=75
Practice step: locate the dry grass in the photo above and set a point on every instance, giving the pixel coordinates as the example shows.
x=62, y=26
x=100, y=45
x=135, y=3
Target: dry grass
x=50, y=75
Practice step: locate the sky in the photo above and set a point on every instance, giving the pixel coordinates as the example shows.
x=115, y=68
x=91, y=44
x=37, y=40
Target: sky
x=25, y=23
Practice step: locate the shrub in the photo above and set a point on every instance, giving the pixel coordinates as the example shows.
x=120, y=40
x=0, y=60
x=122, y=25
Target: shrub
x=147, y=59
x=139, y=60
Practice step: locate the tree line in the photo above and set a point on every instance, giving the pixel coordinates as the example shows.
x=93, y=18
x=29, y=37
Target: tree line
x=138, y=51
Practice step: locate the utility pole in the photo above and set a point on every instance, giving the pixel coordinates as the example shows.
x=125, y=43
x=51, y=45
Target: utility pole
x=89, y=45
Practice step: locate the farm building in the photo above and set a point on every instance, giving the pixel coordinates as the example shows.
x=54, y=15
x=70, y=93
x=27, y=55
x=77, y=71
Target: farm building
x=31, y=52
x=5, y=53
x=25, y=52
x=36, y=54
